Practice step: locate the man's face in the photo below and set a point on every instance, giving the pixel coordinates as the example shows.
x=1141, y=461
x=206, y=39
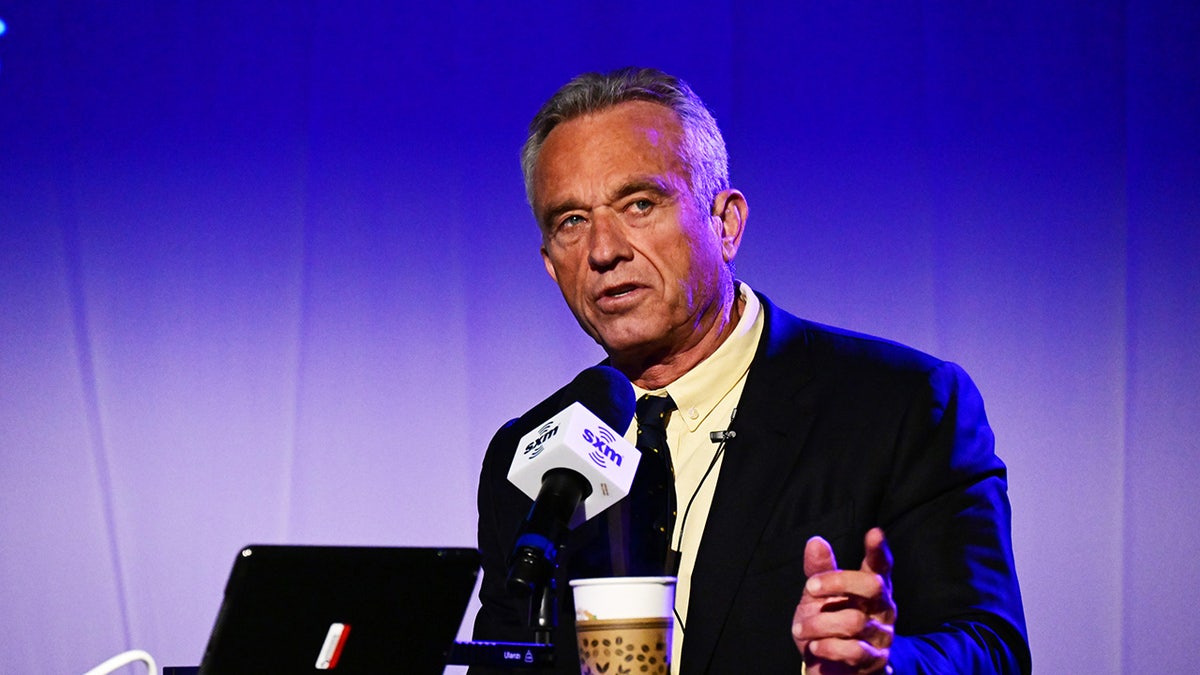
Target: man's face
x=640, y=265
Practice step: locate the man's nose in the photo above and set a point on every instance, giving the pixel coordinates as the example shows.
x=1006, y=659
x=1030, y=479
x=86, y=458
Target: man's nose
x=608, y=242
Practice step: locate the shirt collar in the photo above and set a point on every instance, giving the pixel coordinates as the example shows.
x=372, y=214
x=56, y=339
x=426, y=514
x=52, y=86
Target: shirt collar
x=699, y=390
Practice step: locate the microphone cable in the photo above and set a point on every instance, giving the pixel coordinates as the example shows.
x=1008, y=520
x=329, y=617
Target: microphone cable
x=720, y=437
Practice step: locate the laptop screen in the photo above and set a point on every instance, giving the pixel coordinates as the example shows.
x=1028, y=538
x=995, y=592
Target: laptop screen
x=340, y=609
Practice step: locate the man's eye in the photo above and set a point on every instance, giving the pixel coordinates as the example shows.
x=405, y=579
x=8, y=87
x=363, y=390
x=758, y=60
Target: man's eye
x=642, y=205
x=569, y=229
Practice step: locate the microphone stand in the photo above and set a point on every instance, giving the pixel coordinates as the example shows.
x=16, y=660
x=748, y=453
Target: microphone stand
x=543, y=614
x=515, y=655
x=542, y=618
x=531, y=572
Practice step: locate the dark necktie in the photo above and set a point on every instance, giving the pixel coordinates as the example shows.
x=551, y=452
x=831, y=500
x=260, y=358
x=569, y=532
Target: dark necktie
x=652, y=515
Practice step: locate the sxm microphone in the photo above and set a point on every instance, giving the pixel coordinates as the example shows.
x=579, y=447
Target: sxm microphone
x=573, y=466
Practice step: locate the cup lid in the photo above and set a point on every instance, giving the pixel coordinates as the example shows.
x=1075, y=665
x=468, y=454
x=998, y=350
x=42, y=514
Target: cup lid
x=602, y=581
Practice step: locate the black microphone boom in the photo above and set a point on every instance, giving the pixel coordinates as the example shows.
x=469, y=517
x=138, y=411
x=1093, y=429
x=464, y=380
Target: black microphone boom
x=532, y=561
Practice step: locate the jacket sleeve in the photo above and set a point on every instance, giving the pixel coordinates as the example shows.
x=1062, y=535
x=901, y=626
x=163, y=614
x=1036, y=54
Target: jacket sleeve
x=947, y=519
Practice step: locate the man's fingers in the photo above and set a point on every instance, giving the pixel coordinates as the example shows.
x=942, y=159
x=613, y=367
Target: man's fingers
x=818, y=557
x=848, y=624
x=844, y=621
x=878, y=558
x=858, y=655
x=818, y=560
x=845, y=583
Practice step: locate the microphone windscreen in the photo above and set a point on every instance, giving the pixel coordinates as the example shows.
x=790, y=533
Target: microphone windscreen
x=604, y=391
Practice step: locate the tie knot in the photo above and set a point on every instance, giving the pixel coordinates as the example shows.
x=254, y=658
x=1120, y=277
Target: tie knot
x=652, y=410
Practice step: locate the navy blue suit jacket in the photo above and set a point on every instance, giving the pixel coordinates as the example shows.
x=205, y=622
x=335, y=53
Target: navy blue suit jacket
x=836, y=433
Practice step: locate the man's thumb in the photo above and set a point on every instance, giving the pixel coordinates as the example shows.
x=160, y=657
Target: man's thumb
x=818, y=557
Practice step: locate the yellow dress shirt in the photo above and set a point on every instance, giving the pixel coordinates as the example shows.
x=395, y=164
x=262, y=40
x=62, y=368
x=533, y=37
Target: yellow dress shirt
x=707, y=398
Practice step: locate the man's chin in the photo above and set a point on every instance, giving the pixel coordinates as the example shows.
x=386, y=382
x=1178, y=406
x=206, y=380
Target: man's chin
x=617, y=341
x=630, y=350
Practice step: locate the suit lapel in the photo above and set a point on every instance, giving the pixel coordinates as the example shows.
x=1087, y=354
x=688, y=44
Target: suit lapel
x=772, y=421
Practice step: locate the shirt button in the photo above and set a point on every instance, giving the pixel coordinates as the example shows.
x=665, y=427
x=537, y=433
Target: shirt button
x=693, y=413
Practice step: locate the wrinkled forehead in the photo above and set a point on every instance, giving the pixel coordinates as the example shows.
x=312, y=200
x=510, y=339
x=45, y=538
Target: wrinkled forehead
x=635, y=136
x=649, y=110
x=630, y=121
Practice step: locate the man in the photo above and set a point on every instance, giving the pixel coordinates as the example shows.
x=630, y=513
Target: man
x=835, y=435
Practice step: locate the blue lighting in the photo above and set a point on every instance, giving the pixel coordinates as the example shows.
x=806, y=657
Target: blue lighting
x=3, y=26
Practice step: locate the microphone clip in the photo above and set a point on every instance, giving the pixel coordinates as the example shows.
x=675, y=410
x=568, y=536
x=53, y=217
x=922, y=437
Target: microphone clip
x=721, y=436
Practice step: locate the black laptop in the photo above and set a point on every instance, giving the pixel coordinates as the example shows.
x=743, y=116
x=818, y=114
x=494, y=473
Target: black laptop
x=342, y=610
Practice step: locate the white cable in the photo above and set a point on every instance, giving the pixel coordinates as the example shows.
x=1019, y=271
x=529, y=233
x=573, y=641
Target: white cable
x=125, y=659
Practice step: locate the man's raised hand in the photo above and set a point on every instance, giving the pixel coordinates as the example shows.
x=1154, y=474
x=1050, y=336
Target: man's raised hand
x=845, y=620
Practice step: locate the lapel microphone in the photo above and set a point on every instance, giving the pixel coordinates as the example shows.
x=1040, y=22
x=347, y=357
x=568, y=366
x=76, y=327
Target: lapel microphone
x=721, y=436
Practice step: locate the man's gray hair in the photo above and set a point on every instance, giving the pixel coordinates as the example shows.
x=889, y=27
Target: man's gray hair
x=703, y=148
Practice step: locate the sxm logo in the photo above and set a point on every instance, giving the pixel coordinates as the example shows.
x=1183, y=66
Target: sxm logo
x=537, y=445
x=602, y=450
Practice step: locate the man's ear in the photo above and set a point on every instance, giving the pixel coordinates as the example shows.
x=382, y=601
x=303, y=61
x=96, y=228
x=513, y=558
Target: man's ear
x=731, y=210
x=549, y=265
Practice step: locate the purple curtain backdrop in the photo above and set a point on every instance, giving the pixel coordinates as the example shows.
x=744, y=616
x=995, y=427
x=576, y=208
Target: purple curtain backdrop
x=267, y=275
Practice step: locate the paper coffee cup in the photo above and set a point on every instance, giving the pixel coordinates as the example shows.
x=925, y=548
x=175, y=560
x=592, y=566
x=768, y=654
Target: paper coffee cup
x=624, y=624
